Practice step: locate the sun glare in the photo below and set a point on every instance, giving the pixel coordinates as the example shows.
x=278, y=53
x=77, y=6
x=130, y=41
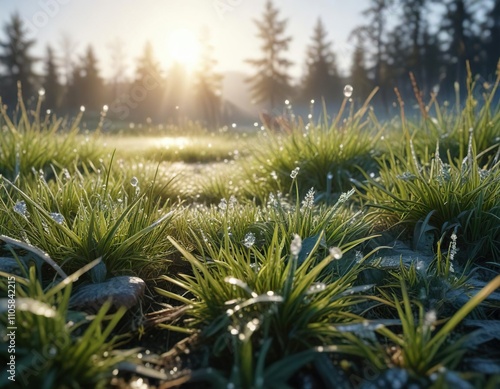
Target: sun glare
x=184, y=47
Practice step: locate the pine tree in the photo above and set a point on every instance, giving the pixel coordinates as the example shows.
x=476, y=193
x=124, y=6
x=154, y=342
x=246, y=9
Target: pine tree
x=457, y=24
x=271, y=83
x=208, y=83
x=119, y=65
x=17, y=61
x=359, y=78
x=431, y=61
x=375, y=33
x=419, y=49
x=492, y=41
x=93, y=85
x=86, y=86
x=51, y=84
x=413, y=26
x=321, y=79
x=148, y=87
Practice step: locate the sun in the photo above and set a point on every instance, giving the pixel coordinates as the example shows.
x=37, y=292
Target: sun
x=184, y=47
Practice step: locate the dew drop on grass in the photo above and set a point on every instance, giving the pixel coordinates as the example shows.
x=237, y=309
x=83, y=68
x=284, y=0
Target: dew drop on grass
x=294, y=173
x=335, y=252
x=66, y=174
x=316, y=288
x=20, y=208
x=348, y=89
x=255, y=267
x=134, y=182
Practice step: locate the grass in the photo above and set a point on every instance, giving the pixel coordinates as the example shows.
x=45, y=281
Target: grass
x=323, y=155
x=78, y=218
x=204, y=148
x=58, y=348
x=460, y=198
x=33, y=142
x=259, y=253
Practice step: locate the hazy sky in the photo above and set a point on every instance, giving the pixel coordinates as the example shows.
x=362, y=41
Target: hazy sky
x=230, y=23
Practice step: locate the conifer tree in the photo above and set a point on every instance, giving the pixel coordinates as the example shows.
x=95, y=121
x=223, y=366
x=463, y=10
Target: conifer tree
x=148, y=87
x=208, y=83
x=492, y=40
x=271, y=82
x=457, y=25
x=51, y=83
x=321, y=79
x=86, y=85
x=359, y=78
x=17, y=61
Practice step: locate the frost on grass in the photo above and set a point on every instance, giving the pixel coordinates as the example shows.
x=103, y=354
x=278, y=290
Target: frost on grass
x=249, y=240
x=296, y=245
x=308, y=202
x=20, y=208
x=57, y=217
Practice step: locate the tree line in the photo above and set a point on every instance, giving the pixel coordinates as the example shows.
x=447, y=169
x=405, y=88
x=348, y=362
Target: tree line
x=433, y=40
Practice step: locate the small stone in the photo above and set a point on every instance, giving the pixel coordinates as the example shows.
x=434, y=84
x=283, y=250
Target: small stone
x=123, y=291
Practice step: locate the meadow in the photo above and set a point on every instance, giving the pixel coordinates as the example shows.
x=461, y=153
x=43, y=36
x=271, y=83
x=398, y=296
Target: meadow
x=335, y=251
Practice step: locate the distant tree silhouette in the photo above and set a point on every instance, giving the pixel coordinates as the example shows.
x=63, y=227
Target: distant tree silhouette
x=51, y=83
x=86, y=86
x=457, y=25
x=177, y=94
x=417, y=46
x=67, y=49
x=93, y=84
x=431, y=61
x=412, y=48
x=146, y=92
x=359, y=77
x=394, y=67
x=321, y=76
x=413, y=20
x=492, y=39
x=119, y=66
x=208, y=83
x=375, y=33
x=271, y=83
x=17, y=61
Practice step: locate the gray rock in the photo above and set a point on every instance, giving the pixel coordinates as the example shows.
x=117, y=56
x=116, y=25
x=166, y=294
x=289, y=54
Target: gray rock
x=390, y=258
x=124, y=291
